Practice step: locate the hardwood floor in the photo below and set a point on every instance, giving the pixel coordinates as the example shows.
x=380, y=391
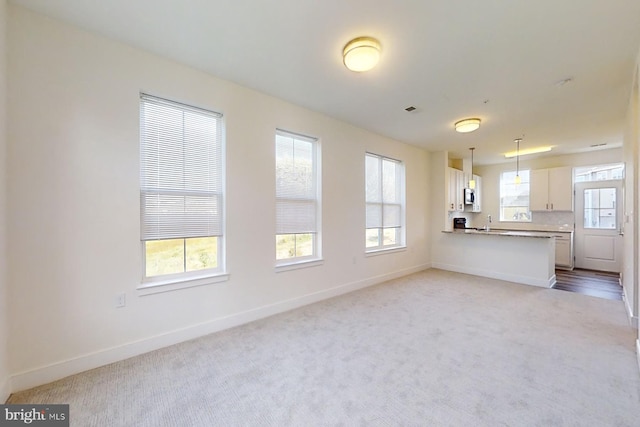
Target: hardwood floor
x=589, y=282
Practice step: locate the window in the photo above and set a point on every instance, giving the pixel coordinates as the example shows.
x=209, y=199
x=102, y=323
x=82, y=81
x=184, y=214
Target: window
x=181, y=189
x=384, y=203
x=599, y=173
x=600, y=208
x=514, y=198
x=297, y=198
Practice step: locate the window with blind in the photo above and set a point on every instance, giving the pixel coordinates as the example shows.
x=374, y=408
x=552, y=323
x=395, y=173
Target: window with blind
x=181, y=189
x=384, y=182
x=297, y=198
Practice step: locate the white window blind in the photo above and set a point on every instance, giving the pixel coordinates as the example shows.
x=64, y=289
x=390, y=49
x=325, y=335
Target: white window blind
x=296, y=184
x=383, y=192
x=181, y=181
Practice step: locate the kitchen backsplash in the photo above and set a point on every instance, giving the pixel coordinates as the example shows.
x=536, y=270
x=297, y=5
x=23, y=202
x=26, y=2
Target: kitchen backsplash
x=552, y=221
x=542, y=221
x=564, y=219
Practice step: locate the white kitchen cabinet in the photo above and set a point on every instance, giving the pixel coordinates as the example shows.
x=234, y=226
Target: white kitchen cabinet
x=477, y=201
x=551, y=189
x=561, y=189
x=539, y=190
x=564, y=250
x=455, y=183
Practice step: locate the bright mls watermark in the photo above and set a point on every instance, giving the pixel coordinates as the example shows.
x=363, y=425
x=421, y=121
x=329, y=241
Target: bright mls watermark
x=34, y=415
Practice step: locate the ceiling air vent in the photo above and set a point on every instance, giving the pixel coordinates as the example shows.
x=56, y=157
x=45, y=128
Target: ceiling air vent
x=410, y=108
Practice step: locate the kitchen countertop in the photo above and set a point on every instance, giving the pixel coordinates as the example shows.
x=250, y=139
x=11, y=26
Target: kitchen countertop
x=501, y=232
x=548, y=230
x=534, y=227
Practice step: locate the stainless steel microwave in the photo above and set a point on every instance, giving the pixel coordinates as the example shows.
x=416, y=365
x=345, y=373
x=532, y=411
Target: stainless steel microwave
x=469, y=196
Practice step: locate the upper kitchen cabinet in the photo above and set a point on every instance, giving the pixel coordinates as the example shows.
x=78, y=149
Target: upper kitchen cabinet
x=455, y=187
x=551, y=189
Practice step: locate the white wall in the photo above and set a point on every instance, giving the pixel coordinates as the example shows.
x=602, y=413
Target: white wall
x=634, y=119
x=4, y=319
x=74, y=217
x=631, y=147
x=439, y=193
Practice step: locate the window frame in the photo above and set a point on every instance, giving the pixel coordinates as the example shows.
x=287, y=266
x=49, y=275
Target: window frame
x=502, y=185
x=580, y=173
x=179, y=280
x=315, y=258
x=597, y=208
x=400, y=193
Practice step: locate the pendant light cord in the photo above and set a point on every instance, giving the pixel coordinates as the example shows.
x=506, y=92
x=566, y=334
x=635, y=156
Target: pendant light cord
x=518, y=157
x=472, y=148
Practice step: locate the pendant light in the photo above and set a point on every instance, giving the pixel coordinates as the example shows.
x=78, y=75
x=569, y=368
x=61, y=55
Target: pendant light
x=517, y=141
x=472, y=182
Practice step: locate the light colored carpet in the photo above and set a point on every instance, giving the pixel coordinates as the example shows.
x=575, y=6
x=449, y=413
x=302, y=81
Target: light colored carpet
x=431, y=349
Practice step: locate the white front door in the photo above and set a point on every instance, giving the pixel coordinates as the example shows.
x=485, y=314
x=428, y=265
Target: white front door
x=598, y=232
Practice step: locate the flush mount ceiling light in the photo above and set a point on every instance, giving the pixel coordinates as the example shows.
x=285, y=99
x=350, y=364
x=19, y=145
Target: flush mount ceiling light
x=534, y=150
x=361, y=54
x=467, y=125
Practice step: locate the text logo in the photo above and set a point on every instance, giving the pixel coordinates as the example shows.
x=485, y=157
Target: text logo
x=34, y=415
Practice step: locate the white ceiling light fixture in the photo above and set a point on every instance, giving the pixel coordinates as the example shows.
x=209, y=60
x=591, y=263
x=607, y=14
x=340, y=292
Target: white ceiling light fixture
x=467, y=125
x=534, y=150
x=361, y=54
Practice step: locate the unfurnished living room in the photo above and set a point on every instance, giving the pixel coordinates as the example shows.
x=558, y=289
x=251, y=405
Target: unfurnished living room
x=327, y=213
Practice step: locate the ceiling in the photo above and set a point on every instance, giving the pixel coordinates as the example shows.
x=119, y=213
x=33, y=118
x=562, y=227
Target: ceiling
x=498, y=60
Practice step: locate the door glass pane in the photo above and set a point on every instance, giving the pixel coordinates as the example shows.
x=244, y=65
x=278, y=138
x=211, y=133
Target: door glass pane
x=600, y=208
x=608, y=198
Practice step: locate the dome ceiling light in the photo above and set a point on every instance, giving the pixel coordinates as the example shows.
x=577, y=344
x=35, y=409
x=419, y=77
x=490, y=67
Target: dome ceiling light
x=467, y=125
x=361, y=54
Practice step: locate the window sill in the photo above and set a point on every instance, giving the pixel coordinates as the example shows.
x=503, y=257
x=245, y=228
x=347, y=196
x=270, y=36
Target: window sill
x=156, y=287
x=298, y=265
x=377, y=252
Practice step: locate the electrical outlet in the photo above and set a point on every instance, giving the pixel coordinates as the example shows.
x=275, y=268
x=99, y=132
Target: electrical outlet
x=121, y=300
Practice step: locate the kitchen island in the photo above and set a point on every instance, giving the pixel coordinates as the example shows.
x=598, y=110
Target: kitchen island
x=516, y=256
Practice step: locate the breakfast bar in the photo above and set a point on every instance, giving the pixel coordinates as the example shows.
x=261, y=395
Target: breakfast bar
x=516, y=256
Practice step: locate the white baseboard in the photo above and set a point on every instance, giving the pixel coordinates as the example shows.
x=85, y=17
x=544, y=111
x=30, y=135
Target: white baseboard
x=633, y=320
x=533, y=281
x=46, y=374
x=5, y=390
